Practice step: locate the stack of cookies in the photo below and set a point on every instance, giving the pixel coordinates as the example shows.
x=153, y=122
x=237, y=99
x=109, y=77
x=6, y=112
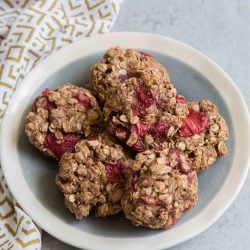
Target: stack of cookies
x=131, y=143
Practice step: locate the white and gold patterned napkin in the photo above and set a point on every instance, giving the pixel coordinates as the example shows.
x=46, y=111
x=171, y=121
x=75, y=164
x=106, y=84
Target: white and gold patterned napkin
x=30, y=30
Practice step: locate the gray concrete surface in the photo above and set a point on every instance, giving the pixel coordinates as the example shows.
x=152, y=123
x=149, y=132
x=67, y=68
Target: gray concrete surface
x=221, y=30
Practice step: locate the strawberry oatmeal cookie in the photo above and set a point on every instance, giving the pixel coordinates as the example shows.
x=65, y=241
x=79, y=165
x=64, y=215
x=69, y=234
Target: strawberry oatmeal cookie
x=161, y=187
x=202, y=134
x=91, y=177
x=138, y=150
x=144, y=112
x=60, y=117
x=119, y=65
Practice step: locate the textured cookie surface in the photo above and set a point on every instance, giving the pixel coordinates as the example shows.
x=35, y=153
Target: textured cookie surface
x=161, y=187
x=91, y=177
x=202, y=135
x=144, y=112
x=120, y=64
x=60, y=117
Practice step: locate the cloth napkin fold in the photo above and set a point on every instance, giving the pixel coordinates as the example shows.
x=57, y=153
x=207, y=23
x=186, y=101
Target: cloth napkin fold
x=30, y=30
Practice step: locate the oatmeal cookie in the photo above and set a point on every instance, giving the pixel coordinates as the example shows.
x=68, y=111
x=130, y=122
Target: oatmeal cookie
x=91, y=177
x=202, y=134
x=161, y=187
x=60, y=117
x=145, y=112
x=120, y=64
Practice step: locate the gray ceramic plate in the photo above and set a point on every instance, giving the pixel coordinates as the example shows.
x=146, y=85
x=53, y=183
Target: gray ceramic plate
x=30, y=176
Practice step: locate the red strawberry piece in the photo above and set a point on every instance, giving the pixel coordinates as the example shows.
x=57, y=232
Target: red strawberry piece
x=143, y=98
x=113, y=171
x=58, y=149
x=34, y=106
x=159, y=129
x=46, y=103
x=45, y=92
x=175, y=151
x=50, y=106
x=84, y=100
x=135, y=109
x=140, y=129
x=150, y=201
x=147, y=200
x=180, y=99
x=145, y=54
x=183, y=161
x=138, y=146
x=195, y=123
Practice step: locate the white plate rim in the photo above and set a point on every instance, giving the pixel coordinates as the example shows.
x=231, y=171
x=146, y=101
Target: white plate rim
x=165, y=45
